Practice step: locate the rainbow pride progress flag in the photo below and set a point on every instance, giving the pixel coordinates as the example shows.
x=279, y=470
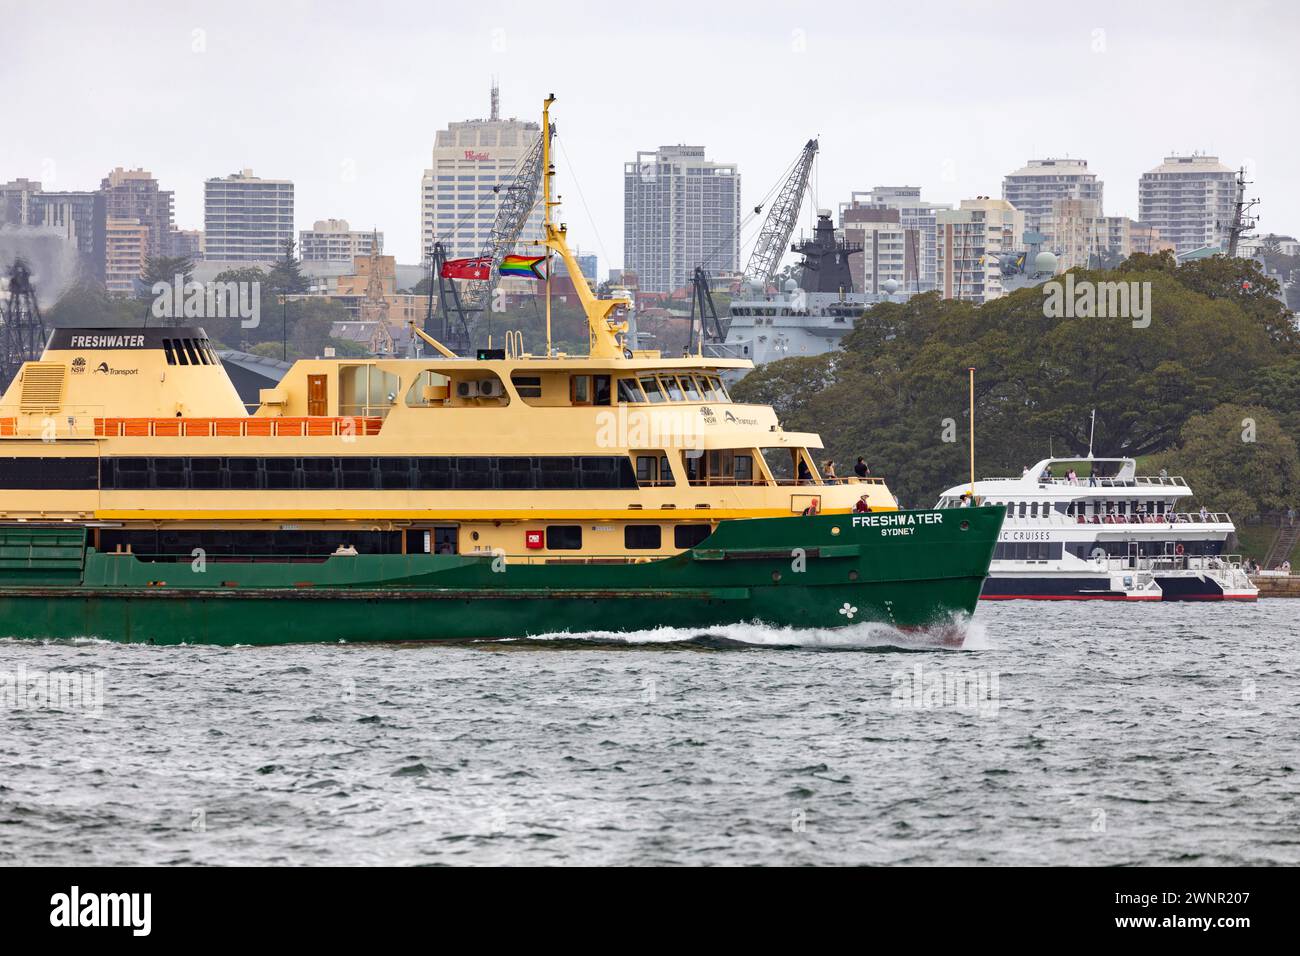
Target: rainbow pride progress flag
x=525, y=267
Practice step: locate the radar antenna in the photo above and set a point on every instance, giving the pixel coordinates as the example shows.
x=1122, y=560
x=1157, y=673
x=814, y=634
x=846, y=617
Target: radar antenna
x=1242, y=221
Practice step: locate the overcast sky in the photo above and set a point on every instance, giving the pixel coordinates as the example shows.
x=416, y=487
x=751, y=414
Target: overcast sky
x=344, y=97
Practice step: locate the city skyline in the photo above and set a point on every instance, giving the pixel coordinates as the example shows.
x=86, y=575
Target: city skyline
x=364, y=162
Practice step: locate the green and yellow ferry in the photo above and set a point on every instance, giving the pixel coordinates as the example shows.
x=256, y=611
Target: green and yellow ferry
x=449, y=498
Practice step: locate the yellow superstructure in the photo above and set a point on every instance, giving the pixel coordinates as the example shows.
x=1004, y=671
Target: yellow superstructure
x=141, y=429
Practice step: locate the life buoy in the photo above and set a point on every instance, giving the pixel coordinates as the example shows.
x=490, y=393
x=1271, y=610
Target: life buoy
x=1178, y=549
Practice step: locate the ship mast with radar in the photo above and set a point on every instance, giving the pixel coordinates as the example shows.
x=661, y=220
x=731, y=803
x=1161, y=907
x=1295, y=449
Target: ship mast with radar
x=1242, y=221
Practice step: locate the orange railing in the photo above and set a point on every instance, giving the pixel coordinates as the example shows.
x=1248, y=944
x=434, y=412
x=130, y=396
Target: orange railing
x=300, y=427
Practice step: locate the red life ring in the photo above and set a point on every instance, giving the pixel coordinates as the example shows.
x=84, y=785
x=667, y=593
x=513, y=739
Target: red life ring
x=1178, y=549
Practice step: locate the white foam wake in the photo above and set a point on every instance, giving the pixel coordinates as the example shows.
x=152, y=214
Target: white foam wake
x=959, y=633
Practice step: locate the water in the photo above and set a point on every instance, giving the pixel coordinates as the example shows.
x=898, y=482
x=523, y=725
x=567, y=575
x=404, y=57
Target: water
x=1084, y=733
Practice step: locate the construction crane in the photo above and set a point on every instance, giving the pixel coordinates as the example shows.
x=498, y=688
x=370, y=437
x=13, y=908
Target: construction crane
x=774, y=239
x=24, y=331
x=771, y=245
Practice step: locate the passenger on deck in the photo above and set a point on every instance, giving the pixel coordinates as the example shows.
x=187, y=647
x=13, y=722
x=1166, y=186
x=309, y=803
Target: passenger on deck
x=861, y=469
x=861, y=507
x=805, y=476
x=828, y=472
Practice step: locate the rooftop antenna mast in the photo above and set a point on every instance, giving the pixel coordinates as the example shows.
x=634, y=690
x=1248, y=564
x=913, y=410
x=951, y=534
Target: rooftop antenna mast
x=1242, y=221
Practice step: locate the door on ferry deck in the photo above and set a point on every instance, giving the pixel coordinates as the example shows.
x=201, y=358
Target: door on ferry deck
x=316, y=395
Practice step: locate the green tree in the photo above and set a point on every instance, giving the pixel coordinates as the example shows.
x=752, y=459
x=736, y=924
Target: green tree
x=286, y=274
x=166, y=269
x=1237, y=459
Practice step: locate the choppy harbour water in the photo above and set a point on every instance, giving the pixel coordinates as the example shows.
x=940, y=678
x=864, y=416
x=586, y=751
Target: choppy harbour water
x=1080, y=733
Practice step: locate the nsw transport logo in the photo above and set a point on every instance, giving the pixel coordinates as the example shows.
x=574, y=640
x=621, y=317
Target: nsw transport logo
x=78, y=365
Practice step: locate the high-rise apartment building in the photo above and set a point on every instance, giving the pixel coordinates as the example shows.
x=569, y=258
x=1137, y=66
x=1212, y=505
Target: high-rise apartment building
x=886, y=248
x=1033, y=188
x=134, y=194
x=970, y=240
x=16, y=202
x=331, y=240
x=680, y=211
x=472, y=164
x=125, y=253
x=1190, y=200
x=82, y=217
x=246, y=219
x=917, y=219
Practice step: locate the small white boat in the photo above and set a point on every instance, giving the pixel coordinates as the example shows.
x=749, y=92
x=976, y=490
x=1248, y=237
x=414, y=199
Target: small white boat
x=1109, y=535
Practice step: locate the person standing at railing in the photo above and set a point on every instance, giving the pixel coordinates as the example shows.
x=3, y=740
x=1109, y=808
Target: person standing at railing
x=861, y=469
x=1205, y=513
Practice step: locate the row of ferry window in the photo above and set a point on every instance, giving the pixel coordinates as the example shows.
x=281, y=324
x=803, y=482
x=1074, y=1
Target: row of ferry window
x=636, y=537
x=652, y=388
x=480, y=473
x=1042, y=509
x=189, y=352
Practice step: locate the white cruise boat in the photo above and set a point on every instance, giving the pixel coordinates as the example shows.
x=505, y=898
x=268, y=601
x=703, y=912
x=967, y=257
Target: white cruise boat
x=1109, y=535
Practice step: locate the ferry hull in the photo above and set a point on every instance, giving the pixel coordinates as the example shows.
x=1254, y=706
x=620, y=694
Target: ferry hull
x=919, y=570
x=1064, y=588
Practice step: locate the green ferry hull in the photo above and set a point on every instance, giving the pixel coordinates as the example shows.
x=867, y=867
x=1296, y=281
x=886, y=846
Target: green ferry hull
x=905, y=569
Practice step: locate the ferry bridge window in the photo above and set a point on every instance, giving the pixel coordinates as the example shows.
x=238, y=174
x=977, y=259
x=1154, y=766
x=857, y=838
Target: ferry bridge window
x=689, y=535
x=672, y=387
x=652, y=390
x=691, y=388
x=707, y=390
x=642, y=537
x=629, y=391
x=601, y=386
x=564, y=537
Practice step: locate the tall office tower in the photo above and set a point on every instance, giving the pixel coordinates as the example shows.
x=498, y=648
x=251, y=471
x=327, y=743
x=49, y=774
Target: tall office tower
x=473, y=162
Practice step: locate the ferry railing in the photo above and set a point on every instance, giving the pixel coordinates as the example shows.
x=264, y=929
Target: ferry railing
x=783, y=482
x=1174, y=562
x=1140, y=481
x=64, y=421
